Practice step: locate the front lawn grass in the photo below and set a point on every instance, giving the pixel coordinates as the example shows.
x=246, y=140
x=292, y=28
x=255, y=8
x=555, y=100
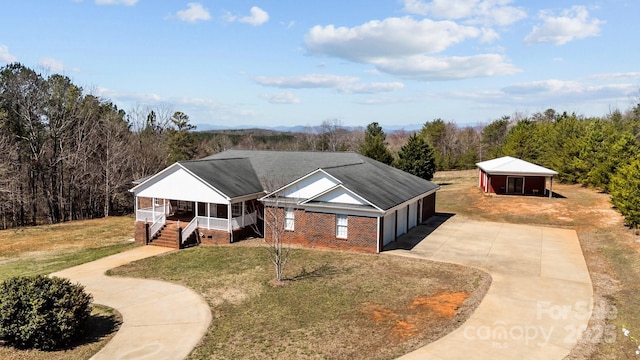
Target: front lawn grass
x=334, y=305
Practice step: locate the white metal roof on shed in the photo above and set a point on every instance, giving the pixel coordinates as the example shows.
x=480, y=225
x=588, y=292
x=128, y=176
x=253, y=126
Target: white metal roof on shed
x=509, y=165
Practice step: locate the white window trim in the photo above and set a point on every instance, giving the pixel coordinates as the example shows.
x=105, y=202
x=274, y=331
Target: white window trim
x=289, y=220
x=342, y=222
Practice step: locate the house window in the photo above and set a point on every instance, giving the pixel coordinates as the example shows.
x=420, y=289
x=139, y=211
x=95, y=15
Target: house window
x=236, y=210
x=289, y=219
x=341, y=226
x=213, y=210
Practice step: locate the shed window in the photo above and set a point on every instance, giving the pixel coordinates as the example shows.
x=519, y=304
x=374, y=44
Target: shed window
x=341, y=226
x=289, y=219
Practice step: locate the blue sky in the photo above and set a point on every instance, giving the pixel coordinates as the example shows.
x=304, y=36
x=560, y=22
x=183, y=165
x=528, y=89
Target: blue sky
x=293, y=62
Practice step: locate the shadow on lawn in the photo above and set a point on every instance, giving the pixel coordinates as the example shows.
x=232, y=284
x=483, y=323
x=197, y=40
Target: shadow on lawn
x=409, y=240
x=323, y=270
x=98, y=327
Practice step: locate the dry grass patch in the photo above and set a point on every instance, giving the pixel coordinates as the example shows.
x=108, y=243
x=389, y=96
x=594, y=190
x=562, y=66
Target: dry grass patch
x=334, y=305
x=48, y=248
x=611, y=250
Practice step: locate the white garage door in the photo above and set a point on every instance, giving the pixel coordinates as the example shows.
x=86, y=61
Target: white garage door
x=389, y=228
x=402, y=221
x=413, y=215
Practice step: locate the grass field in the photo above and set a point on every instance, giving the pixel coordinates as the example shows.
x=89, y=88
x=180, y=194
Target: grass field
x=49, y=248
x=611, y=250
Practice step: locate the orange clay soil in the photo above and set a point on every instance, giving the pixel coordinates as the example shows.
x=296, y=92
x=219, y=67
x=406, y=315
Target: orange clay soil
x=423, y=312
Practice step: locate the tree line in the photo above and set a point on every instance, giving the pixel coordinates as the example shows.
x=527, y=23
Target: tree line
x=69, y=154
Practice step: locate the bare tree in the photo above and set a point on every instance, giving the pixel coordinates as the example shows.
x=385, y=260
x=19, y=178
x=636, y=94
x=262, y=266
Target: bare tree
x=275, y=223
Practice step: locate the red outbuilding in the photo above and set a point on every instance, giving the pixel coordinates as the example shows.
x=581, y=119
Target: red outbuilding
x=509, y=175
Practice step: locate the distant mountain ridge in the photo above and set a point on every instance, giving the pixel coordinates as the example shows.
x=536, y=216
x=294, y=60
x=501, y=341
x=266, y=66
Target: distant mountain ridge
x=301, y=128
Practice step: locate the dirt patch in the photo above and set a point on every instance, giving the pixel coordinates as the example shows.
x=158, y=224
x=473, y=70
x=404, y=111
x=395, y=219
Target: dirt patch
x=417, y=316
x=404, y=329
x=378, y=313
x=445, y=304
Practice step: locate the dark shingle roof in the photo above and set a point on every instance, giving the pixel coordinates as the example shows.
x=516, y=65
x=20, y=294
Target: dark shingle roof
x=278, y=168
x=233, y=177
x=382, y=185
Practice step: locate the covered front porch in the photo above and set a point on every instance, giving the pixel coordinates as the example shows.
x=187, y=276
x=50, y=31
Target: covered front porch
x=193, y=217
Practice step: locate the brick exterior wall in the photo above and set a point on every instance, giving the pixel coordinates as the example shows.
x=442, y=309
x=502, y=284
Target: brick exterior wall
x=313, y=229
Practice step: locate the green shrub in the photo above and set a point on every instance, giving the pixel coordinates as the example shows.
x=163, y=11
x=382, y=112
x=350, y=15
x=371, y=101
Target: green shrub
x=41, y=312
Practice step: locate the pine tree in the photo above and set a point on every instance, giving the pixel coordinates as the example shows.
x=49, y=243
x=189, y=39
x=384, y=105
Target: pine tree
x=416, y=157
x=181, y=142
x=625, y=192
x=374, y=146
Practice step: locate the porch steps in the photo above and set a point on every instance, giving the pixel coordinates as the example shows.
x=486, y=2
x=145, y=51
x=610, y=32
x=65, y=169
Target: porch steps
x=167, y=236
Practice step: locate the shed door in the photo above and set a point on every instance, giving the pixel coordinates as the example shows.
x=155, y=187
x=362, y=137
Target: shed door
x=389, y=229
x=402, y=221
x=413, y=215
x=515, y=185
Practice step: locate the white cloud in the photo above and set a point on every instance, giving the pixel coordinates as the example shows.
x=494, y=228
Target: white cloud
x=571, y=25
x=488, y=12
x=194, y=12
x=554, y=90
x=392, y=37
x=616, y=76
x=372, y=88
x=5, y=55
x=345, y=84
x=257, y=17
x=52, y=65
x=447, y=68
x=117, y=2
x=281, y=98
x=306, y=81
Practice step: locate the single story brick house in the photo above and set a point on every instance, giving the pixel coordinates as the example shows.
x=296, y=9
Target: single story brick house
x=509, y=175
x=338, y=200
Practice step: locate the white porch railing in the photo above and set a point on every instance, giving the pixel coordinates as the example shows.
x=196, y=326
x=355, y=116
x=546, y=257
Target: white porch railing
x=213, y=223
x=157, y=225
x=243, y=221
x=147, y=214
x=223, y=224
x=189, y=229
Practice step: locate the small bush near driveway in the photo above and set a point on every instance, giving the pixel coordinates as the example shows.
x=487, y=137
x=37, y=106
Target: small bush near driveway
x=41, y=312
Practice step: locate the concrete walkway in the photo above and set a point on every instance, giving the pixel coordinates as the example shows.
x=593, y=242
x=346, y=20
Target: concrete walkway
x=540, y=299
x=160, y=320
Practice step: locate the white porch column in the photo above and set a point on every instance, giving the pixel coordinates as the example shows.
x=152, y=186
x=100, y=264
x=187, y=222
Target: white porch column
x=135, y=207
x=208, y=215
x=153, y=209
x=229, y=225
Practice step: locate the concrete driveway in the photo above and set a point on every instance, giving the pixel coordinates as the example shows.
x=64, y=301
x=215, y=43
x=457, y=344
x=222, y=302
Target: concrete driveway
x=160, y=320
x=540, y=298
